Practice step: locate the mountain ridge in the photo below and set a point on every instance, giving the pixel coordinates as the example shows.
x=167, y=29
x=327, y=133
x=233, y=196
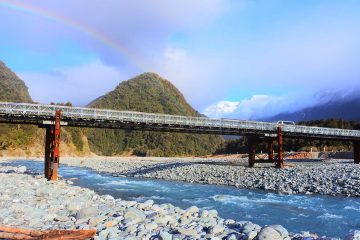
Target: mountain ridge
x=344, y=107
x=148, y=92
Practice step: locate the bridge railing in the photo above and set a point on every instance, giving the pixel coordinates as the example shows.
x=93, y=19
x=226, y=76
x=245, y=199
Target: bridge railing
x=78, y=113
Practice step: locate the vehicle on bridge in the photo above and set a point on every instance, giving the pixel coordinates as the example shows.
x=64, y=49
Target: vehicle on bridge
x=285, y=123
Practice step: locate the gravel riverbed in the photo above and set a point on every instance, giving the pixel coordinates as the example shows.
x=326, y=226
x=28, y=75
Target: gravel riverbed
x=307, y=176
x=29, y=201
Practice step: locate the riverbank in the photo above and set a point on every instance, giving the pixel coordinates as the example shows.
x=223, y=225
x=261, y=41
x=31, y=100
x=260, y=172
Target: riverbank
x=306, y=176
x=29, y=201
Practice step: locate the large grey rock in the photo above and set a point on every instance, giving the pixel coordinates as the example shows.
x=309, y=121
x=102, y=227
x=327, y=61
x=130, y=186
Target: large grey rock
x=187, y=231
x=249, y=227
x=134, y=215
x=21, y=169
x=87, y=212
x=191, y=210
x=217, y=229
x=281, y=230
x=147, y=204
x=164, y=220
x=251, y=235
x=269, y=233
x=150, y=226
x=165, y=236
x=213, y=213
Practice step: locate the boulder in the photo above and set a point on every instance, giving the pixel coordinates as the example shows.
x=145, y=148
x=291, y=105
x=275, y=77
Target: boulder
x=134, y=215
x=269, y=233
x=87, y=212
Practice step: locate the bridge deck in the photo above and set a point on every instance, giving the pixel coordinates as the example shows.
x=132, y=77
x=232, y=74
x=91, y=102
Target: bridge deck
x=105, y=118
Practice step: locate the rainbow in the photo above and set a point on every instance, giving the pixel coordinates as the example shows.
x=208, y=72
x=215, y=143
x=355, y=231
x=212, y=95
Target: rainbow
x=99, y=36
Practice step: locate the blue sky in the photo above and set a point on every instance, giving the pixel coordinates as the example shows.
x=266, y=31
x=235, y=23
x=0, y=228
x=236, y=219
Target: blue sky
x=240, y=59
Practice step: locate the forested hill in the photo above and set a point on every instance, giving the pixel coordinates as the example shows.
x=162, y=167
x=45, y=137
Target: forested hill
x=148, y=92
x=12, y=88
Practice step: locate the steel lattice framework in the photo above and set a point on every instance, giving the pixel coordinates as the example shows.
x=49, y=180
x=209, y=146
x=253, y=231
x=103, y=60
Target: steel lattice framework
x=104, y=118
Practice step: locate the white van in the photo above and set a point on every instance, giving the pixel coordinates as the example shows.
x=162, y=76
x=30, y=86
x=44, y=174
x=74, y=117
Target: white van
x=285, y=123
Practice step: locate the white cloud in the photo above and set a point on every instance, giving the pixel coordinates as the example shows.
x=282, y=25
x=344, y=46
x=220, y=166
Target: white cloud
x=255, y=107
x=221, y=108
x=191, y=75
x=80, y=84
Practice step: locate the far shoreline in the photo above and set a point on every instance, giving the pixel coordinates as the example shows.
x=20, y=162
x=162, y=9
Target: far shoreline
x=335, y=177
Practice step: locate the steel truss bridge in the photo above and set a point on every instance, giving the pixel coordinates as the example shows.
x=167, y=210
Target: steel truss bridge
x=45, y=116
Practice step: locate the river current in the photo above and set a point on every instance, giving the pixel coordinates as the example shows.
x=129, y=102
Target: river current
x=324, y=215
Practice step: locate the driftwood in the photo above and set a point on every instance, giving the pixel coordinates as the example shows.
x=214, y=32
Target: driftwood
x=26, y=234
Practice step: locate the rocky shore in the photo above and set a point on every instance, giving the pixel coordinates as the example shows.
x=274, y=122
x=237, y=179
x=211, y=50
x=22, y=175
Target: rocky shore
x=29, y=201
x=307, y=176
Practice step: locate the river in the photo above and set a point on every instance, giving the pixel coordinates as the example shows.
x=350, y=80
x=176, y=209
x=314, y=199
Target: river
x=325, y=215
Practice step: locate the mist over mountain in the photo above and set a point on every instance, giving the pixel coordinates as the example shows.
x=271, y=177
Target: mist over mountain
x=340, y=105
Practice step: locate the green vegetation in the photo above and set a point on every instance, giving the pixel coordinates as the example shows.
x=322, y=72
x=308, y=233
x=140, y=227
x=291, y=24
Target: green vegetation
x=319, y=145
x=148, y=92
x=13, y=89
x=240, y=145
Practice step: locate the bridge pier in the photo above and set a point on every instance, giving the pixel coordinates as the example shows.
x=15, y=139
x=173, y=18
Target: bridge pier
x=357, y=152
x=280, y=157
x=271, y=150
x=52, y=148
x=252, y=143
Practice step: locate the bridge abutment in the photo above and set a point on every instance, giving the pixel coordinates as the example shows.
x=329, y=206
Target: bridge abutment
x=357, y=152
x=52, y=148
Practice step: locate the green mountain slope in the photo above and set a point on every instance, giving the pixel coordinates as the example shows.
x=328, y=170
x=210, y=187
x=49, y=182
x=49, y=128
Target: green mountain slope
x=148, y=92
x=13, y=89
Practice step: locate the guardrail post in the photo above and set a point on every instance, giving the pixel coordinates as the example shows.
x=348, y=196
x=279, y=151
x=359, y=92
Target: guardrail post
x=52, y=148
x=271, y=150
x=252, y=150
x=357, y=152
x=280, y=158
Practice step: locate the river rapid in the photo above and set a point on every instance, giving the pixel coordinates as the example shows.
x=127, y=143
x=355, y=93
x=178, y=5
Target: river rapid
x=324, y=215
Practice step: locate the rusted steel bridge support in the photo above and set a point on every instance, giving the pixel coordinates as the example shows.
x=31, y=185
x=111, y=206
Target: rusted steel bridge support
x=271, y=150
x=280, y=157
x=252, y=142
x=357, y=152
x=52, y=148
